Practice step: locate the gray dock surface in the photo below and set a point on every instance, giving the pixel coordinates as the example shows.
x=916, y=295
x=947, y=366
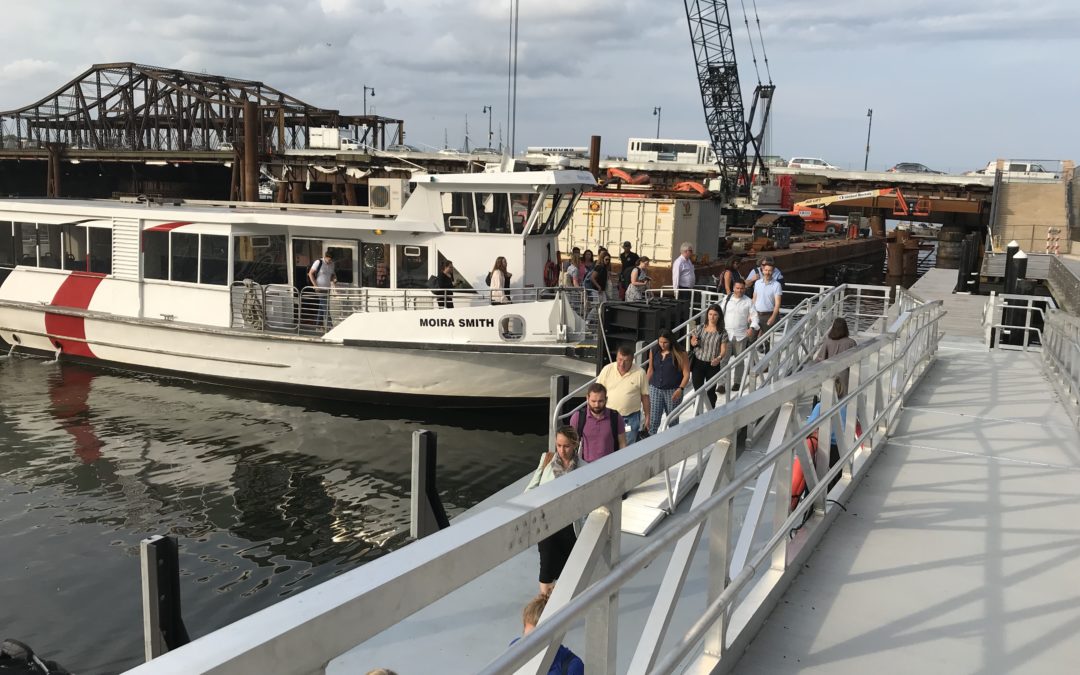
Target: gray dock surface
x=959, y=551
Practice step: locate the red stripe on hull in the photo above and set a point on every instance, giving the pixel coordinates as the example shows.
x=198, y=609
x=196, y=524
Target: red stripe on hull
x=76, y=292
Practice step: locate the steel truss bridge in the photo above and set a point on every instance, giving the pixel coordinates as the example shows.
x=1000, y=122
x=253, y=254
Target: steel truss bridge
x=135, y=107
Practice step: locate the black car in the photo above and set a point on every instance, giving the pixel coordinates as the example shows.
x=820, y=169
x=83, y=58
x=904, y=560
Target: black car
x=912, y=167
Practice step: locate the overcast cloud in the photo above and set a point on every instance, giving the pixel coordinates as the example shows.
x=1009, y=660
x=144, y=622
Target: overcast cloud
x=953, y=83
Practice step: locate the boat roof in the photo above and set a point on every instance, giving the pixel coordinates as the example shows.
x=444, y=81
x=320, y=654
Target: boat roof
x=61, y=211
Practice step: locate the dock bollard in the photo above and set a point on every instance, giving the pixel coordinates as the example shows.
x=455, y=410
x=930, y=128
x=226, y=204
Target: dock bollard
x=427, y=514
x=163, y=626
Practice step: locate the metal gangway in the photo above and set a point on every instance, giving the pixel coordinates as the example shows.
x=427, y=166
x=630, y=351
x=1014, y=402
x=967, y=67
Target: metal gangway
x=691, y=594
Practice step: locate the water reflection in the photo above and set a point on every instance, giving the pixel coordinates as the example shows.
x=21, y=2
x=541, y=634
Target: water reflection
x=268, y=496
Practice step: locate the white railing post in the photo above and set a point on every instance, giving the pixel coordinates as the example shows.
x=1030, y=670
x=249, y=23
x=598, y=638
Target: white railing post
x=602, y=622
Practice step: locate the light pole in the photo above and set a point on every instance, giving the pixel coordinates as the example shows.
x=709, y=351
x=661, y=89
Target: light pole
x=366, y=90
x=656, y=111
x=487, y=109
x=869, y=123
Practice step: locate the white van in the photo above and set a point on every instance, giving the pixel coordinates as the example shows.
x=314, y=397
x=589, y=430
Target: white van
x=1016, y=168
x=809, y=163
x=350, y=144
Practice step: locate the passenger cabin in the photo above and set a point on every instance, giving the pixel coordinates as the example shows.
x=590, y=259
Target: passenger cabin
x=179, y=260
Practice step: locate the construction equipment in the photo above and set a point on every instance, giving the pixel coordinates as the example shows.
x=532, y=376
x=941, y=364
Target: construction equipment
x=815, y=213
x=731, y=132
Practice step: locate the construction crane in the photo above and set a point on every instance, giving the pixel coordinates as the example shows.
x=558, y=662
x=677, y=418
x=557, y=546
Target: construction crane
x=815, y=213
x=731, y=132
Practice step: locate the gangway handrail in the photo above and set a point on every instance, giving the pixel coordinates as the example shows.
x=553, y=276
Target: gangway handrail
x=1061, y=357
x=1012, y=305
x=303, y=632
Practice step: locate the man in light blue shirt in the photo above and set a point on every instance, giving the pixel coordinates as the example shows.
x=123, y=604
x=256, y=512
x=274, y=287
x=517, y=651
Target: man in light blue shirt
x=767, y=293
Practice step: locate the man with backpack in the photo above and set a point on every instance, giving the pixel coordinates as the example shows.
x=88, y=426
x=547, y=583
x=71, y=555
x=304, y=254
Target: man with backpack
x=323, y=276
x=601, y=429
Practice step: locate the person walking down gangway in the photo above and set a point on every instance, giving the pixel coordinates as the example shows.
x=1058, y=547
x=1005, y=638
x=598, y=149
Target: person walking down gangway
x=836, y=342
x=738, y=318
x=601, y=429
x=669, y=373
x=628, y=261
x=767, y=297
x=566, y=662
x=683, y=276
x=709, y=343
x=628, y=391
x=555, y=549
x=639, y=281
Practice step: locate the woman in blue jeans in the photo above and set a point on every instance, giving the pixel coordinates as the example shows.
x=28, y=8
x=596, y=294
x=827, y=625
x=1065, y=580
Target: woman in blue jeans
x=669, y=373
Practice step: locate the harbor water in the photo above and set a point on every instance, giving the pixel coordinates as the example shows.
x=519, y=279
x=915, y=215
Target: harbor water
x=267, y=496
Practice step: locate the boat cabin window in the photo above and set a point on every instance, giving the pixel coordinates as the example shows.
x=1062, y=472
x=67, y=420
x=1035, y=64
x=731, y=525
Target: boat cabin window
x=8, y=257
x=178, y=256
x=214, y=259
x=100, y=250
x=73, y=237
x=261, y=259
x=521, y=205
x=492, y=213
x=155, y=255
x=557, y=210
x=375, y=265
x=184, y=257
x=26, y=243
x=458, y=215
x=412, y=266
x=50, y=252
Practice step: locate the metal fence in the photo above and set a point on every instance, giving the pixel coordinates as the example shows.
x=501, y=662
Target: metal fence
x=751, y=559
x=1013, y=321
x=1061, y=358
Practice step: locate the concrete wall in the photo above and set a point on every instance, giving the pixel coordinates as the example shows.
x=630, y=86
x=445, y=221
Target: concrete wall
x=1027, y=210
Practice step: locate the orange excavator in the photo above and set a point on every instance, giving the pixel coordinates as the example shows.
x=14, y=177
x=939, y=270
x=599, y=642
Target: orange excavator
x=815, y=212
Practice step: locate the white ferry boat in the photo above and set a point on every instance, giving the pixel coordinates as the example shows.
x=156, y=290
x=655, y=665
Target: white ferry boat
x=220, y=291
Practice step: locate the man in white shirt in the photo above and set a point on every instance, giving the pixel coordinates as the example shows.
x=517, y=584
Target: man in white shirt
x=322, y=276
x=738, y=317
x=627, y=391
x=682, y=272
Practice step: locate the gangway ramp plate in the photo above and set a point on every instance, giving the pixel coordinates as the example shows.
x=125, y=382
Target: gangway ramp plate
x=643, y=508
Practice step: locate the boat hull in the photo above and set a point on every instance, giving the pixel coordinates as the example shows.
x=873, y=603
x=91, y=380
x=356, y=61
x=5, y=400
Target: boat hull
x=398, y=373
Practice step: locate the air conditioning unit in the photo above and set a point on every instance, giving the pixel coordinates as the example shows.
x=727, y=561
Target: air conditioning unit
x=386, y=196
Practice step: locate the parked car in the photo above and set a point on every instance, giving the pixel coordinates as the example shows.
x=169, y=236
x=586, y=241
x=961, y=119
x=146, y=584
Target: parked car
x=401, y=147
x=485, y=151
x=912, y=167
x=225, y=146
x=809, y=163
x=350, y=144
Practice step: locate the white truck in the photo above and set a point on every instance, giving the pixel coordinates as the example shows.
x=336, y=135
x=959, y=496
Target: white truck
x=1016, y=168
x=329, y=138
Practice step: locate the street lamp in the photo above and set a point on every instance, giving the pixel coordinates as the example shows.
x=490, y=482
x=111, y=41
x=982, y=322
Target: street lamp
x=869, y=123
x=366, y=90
x=656, y=111
x=487, y=109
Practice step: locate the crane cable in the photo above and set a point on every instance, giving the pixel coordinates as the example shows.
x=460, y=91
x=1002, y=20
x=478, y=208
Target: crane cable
x=761, y=38
x=750, y=38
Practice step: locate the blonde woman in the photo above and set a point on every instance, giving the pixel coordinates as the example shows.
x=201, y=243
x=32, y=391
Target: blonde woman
x=499, y=282
x=555, y=550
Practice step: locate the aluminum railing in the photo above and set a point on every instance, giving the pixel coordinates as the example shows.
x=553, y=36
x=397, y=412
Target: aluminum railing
x=302, y=633
x=1013, y=321
x=1061, y=357
x=699, y=304
x=313, y=311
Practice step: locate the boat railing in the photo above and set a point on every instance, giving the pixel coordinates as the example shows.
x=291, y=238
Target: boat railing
x=315, y=311
x=1061, y=357
x=754, y=552
x=1012, y=321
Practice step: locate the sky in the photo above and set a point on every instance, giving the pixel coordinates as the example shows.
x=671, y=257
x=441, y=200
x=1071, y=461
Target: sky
x=953, y=83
